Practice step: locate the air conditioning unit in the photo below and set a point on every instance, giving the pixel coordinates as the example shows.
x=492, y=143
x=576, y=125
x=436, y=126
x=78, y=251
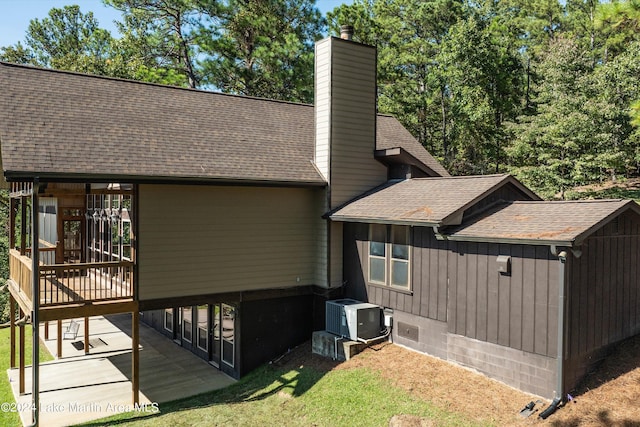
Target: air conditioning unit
x=353, y=319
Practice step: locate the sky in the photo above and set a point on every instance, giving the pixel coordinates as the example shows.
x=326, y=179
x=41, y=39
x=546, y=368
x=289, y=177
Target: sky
x=15, y=15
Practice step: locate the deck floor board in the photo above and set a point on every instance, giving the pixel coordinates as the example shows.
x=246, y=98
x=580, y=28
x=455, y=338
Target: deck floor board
x=79, y=388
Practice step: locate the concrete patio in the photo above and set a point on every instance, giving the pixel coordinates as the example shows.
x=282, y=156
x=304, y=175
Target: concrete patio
x=79, y=388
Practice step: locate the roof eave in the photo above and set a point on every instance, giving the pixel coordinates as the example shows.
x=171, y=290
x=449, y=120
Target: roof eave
x=398, y=155
x=11, y=176
x=346, y=218
x=510, y=240
x=630, y=204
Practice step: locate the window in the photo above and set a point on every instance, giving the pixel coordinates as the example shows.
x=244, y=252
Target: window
x=168, y=319
x=228, y=332
x=203, y=327
x=389, y=251
x=377, y=253
x=400, y=256
x=187, y=324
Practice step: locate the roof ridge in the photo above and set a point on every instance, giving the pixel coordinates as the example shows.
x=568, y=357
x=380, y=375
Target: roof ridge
x=433, y=178
x=140, y=82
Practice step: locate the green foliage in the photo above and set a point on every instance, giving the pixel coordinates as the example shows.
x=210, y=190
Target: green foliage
x=70, y=40
x=262, y=48
x=8, y=418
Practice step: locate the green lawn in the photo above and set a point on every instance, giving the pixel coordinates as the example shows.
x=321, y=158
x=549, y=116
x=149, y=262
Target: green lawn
x=9, y=419
x=293, y=397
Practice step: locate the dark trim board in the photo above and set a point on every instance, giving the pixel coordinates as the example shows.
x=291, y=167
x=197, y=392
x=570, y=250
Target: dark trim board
x=229, y=297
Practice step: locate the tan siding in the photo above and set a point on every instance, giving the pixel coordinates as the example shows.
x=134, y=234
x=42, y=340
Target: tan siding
x=353, y=111
x=323, y=106
x=201, y=240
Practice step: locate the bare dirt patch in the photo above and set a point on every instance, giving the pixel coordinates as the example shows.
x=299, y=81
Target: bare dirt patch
x=610, y=396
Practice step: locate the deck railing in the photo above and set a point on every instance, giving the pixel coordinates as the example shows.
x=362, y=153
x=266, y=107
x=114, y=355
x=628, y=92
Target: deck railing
x=20, y=271
x=73, y=283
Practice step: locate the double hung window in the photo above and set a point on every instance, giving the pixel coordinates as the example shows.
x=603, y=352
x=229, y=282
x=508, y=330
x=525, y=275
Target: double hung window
x=389, y=255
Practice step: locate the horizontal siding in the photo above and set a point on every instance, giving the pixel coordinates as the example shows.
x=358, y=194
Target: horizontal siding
x=197, y=240
x=353, y=122
x=322, y=109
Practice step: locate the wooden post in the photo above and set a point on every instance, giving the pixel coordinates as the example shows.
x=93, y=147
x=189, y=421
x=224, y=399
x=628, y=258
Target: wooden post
x=12, y=223
x=86, y=335
x=23, y=225
x=12, y=323
x=46, y=330
x=59, y=350
x=135, y=358
x=22, y=350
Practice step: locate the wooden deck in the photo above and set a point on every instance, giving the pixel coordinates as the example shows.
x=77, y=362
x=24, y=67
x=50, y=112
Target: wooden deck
x=73, y=290
x=80, y=388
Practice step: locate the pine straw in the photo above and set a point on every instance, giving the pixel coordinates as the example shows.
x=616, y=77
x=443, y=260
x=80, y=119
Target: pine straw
x=608, y=397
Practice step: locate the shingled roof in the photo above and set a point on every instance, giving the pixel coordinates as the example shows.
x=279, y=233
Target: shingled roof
x=424, y=201
x=564, y=223
x=56, y=124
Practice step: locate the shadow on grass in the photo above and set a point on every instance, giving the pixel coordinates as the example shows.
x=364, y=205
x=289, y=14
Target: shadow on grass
x=290, y=375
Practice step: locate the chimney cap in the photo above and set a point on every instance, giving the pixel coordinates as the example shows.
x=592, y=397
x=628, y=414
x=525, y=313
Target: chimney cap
x=346, y=32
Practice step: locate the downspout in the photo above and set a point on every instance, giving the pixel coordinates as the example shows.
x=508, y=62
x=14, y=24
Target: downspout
x=562, y=257
x=35, y=322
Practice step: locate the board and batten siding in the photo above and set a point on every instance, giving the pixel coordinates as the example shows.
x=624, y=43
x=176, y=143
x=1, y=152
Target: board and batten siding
x=459, y=283
x=199, y=240
x=517, y=310
x=603, y=293
x=429, y=258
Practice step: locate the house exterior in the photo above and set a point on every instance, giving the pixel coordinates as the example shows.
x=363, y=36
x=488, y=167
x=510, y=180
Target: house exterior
x=226, y=222
x=480, y=272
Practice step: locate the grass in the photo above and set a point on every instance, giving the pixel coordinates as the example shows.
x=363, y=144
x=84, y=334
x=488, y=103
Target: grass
x=302, y=396
x=8, y=419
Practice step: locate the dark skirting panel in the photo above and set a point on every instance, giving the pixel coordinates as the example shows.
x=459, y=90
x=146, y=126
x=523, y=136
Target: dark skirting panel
x=269, y=328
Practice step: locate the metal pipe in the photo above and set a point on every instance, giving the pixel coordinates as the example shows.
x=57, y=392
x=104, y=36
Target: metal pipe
x=562, y=256
x=558, y=398
x=35, y=324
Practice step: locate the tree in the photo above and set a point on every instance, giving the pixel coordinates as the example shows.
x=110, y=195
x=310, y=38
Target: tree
x=70, y=40
x=161, y=35
x=262, y=48
x=484, y=80
x=558, y=146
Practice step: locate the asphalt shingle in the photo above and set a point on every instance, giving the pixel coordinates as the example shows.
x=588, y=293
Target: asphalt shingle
x=559, y=221
x=421, y=201
x=57, y=123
